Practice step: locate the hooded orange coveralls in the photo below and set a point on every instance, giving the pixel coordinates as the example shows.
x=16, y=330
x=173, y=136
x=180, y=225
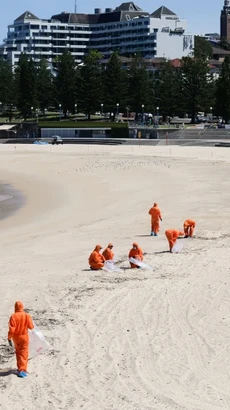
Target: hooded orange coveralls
x=108, y=253
x=189, y=226
x=172, y=235
x=19, y=324
x=96, y=259
x=155, y=217
x=137, y=254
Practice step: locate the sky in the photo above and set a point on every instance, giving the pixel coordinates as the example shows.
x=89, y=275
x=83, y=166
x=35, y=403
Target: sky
x=202, y=16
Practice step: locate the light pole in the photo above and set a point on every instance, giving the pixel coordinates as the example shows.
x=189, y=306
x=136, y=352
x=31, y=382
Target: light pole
x=142, y=112
x=117, y=109
x=37, y=113
x=60, y=110
x=32, y=108
x=75, y=110
x=157, y=115
x=211, y=113
x=102, y=105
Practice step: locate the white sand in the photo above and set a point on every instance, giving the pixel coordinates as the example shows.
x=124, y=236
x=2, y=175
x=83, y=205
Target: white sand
x=133, y=340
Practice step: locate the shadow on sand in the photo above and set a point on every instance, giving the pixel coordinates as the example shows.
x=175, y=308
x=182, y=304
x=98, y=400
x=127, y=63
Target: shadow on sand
x=8, y=372
x=161, y=252
x=144, y=236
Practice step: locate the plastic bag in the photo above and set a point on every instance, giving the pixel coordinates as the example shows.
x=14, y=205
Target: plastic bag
x=109, y=266
x=178, y=246
x=141, y=264
x=37, y=342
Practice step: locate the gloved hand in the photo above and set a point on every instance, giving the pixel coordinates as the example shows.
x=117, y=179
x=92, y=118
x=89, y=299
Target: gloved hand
x=10, y=343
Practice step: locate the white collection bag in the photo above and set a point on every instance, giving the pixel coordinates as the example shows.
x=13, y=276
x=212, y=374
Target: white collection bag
x=109, y=266
x=141, y=264
x=37, y=342
x=177, y=248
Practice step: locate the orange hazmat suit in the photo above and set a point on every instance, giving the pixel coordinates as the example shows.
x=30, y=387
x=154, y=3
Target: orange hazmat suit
x=19, y=324
x=96, y=259
x=172, y=235
x=136, y=253
x=155, y=218
x=108, y=253
x=189, y=226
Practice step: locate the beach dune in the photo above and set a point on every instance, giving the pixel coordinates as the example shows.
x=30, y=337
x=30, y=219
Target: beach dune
x=135, y=340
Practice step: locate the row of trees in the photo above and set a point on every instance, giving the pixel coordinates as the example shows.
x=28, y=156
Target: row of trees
x=187, y=89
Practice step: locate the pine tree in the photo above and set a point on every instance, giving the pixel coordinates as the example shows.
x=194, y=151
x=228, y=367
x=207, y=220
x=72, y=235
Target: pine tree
x=66, y=82
x=202, y=48
x=45, y=86
x=89, y=87
x=26, y=85
x=195, y=85
x=168, y=90
x=114, y=84
x=7, y=89
x=140, y=86
x=223, y=91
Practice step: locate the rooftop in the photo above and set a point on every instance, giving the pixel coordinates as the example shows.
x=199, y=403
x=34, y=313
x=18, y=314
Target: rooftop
x=126, y=11
x=27, y=16
x=162, y=11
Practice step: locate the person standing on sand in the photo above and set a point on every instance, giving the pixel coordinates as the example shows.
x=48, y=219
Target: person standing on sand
x=108, y=253
x=172, y=235
x=155, y=218
x=189, y=226
x=96, y=259
x=19, y=324
x=136, y=253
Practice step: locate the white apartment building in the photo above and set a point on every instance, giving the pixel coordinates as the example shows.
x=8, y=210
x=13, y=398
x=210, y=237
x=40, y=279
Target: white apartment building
x=127, y=30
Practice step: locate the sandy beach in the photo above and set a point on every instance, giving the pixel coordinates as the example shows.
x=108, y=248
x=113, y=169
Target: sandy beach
x=135, y=340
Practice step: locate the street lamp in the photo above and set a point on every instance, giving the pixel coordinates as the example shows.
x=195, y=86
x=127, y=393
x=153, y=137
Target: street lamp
x=157, y=115
x=142, y=112
x=75, y=110
x=117, y=109
x=102, y=105
x=211, y=113
x=60, y=110
x=32, y=113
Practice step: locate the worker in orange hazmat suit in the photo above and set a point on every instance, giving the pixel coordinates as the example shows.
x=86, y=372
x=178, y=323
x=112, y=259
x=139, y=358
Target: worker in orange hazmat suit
x=19, y=324
x=136, y=253
x=189, y=226
x=96, y=259
x=108, y=253
x=155, y=218
x=172, y=235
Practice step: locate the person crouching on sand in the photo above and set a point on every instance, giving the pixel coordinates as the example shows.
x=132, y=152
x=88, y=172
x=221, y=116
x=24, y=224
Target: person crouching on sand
x=189, y=226
x=136, y=253
x=108, y=253
x=19, y=324
x=96, y=259
x=172, y=235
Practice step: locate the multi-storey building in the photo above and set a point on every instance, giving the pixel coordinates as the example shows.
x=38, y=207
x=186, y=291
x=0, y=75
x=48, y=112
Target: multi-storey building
x=225, y=21
x=127, y=30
